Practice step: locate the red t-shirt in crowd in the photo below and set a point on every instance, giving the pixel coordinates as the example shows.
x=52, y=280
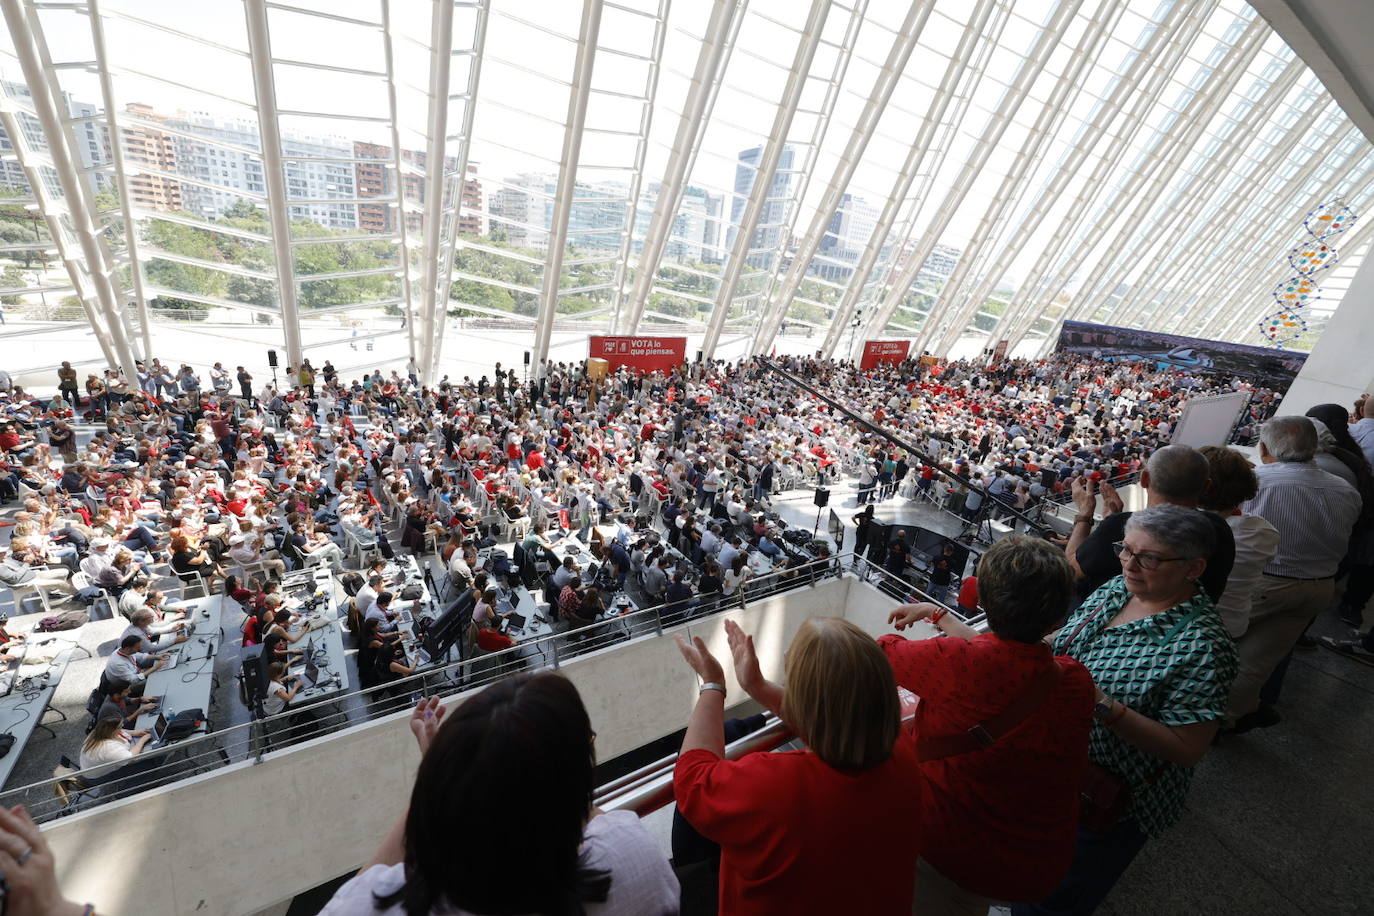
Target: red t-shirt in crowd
x=968, y=593
x=797, y=836
x=489, y=640
x=1014, y=803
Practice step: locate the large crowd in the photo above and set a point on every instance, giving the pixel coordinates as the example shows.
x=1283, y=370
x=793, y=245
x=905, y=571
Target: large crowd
x=1037, y=772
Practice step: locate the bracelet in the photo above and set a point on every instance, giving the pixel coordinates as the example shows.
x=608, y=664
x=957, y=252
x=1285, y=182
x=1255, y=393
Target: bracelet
x=936, y=616
x=1118, y=715
x=711, y=685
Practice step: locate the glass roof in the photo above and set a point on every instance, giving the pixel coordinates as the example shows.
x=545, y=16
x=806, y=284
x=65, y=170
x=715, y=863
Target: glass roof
x=960, y=172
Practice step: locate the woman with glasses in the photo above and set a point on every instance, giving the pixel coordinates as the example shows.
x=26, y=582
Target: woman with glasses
x=1163, y=663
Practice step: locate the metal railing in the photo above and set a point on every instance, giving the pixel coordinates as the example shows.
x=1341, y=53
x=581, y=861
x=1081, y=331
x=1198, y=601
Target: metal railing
x=250, y=742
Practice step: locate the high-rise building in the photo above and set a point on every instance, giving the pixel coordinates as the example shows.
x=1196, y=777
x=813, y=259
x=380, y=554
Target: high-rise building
x=147, y=147
x=224, y=163
x=768, y=236
x=520, y=210
x=846, y=236
x=472, y=218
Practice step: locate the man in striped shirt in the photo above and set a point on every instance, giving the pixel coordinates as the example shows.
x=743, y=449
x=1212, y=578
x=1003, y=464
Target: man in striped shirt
x=1314, y=512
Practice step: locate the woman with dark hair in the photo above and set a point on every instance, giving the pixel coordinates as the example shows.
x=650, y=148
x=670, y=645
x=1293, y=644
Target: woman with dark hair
x=1014, y=800
x=574, y=858
x=1337, y=419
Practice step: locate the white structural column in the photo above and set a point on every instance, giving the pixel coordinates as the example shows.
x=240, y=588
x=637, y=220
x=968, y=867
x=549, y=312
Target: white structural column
x=916, y=154
x=622, y=261
x=398, y=165
x=1169, y=220
x=76, y=197
x=50, y=210
x=715, y=50
x=1046, y=40
x=883, y=87
x=768, y=166
x=1173, y=308
x=1020, y=316
x=953, y=297
x=116, y=139
x=1128, y=203
x=440, y=66
x=274, y=174
x=1164, y=165
x=469, y=106
x=567, y=178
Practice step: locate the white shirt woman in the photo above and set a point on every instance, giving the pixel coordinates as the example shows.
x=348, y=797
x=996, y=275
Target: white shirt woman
x=641, y=880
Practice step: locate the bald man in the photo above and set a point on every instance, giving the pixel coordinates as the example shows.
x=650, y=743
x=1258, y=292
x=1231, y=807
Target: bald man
x=1175, y=475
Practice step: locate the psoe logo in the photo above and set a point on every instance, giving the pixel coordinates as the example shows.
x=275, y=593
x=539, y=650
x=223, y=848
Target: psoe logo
x=619, y=347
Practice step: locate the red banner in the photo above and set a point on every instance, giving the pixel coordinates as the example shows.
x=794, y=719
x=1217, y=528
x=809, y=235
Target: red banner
x=884, y=351
x=645, y=354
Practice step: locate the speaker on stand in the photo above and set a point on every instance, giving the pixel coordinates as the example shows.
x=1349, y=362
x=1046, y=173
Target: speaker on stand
x=272, y=361
x=822, y=499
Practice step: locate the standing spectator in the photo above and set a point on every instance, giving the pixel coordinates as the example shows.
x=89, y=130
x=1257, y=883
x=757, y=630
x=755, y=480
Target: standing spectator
x=1163, y=664
x=790, y=823
x=1315, y=513
x=66, y=383
x=245, y=380
x=1013, y=801
x=1233, y=483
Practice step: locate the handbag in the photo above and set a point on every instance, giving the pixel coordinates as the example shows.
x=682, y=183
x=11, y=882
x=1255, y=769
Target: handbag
x=1104, y=796
x=987, y=733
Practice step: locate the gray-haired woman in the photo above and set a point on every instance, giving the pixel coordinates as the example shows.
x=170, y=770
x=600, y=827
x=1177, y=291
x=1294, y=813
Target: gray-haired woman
x=1163, y=663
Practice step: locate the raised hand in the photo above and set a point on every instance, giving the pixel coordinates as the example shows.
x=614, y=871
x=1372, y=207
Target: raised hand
x=425, y=720
x=700, y=659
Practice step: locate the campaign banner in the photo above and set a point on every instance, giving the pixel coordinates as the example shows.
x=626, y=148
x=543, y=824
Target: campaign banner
x=644, y=354
x=1265, y=366
x=884, y=351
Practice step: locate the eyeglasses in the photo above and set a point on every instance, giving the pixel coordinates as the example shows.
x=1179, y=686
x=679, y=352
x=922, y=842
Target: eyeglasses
x=1146, y=561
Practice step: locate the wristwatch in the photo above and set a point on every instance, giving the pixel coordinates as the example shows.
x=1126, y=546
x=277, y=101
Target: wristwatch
x=1102, y=709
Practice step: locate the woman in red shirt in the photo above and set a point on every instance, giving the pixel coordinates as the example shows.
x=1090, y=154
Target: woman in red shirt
x=1013, y=802
x=834, y=828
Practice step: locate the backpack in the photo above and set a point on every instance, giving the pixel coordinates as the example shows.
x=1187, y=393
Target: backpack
x=67, y=620
x=352, y=583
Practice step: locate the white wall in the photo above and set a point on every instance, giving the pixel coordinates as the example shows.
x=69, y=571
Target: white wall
x=1339, y=370
x=245, y=837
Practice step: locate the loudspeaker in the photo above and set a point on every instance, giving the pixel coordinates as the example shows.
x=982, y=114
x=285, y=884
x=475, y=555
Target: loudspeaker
x=527, y=357
x=821, y=497
x=272, y=358
x=254, y=674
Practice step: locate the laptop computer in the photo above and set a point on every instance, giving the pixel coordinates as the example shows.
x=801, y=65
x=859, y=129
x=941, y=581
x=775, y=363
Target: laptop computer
x=159, y=729
x=516, y=620
x=422, y=658
x=173, y=659
x=311, y=676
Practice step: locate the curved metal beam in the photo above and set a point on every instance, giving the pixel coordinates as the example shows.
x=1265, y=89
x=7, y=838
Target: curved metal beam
x=567, y=178
x=767, y=168
x=883, y=86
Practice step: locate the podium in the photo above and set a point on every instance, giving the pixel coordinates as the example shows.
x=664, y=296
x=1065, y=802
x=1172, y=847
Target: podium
x=597, y=368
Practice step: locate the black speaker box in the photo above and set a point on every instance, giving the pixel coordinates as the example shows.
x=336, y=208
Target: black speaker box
x=821, y=497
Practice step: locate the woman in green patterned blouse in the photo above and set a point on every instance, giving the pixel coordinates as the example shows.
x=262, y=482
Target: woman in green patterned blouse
x=1163, y=663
